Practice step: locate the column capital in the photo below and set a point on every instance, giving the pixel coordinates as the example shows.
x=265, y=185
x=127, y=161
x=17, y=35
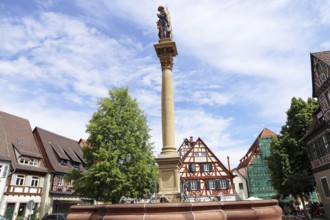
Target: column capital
x=166, y=48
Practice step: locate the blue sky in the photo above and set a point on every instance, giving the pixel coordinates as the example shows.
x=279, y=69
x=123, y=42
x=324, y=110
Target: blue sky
x=239, y=63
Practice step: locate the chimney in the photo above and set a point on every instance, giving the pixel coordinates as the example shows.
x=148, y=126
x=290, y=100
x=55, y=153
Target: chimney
x=191, y=139
x=228, y=163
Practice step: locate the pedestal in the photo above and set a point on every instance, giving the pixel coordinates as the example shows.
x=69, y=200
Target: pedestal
x=169, y=179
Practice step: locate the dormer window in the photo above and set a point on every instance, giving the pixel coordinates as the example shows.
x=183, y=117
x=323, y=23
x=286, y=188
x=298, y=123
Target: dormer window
x=63, y=162
x=24, y=160
x=34, y=162
x=75, y=164
x=28, y=161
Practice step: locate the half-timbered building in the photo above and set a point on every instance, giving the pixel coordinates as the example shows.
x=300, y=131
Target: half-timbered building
x=24, y=186
x=254, y=169
x=202, y=175
x=317, y=138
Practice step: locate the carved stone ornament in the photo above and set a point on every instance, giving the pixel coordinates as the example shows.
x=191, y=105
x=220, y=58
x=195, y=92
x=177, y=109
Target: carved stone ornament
x=166, y=62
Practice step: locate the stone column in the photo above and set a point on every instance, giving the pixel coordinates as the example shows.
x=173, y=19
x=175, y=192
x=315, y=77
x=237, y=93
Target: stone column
x=168, y=161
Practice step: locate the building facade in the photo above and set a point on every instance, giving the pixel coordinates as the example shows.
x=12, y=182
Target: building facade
x=24, y=186
x=240, y=184
x=254, y=169
x=202, y=175
x=317, y=138
x=61, y=155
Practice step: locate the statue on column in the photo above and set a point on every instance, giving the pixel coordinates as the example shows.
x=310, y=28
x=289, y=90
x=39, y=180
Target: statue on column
x=164, y=23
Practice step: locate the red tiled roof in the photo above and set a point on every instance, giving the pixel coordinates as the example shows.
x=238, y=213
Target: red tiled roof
x=265, y=133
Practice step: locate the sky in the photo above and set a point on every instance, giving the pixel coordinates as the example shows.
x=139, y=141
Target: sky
x=238, y=66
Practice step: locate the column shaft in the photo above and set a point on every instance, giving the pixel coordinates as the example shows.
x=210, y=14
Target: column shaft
x=168, y=128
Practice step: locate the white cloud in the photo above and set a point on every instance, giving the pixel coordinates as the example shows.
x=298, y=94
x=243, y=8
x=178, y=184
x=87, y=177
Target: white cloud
x=238, y=66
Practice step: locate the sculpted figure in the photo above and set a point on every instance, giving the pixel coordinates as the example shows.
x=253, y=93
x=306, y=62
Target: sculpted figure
x=164, y=23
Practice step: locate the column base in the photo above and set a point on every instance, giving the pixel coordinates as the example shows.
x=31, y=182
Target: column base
x=169, y=178
x=168, y=197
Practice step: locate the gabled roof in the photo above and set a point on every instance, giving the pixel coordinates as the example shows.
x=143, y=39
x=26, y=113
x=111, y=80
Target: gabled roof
x=254, y=149
x=323, y=58
x=194, y=144
x=4, y=151
x=235, y=170
x=16, y=138
x=56, y=147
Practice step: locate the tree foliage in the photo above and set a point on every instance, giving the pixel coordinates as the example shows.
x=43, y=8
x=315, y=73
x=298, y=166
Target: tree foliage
x=120, y=160
x=290, y=169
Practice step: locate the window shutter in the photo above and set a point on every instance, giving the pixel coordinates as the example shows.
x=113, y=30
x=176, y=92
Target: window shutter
x=207, y=184
x=5, y=171
x=198, y=184
x=210, y=167
x=28, y=181
x=201, y=167
x=41, y=183
x=189, y=185
x=227, y=184
x=13, y=179
x=217, y=184
x=192, y=168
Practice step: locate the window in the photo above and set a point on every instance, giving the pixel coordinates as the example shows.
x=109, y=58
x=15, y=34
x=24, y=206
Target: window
x=75, y=164
x=63, y=162
x=325, y=186
x=325, y=138
x=240, y=185
x=223, y=184
x=193, y=185
x=28, y=161
x=196, y=154
x=207, y=167
x=60, y=181
x=203, y=154
x=211, y=184
x=24, y=160
x=35, y=181
x=192, y=168
x=20, y=180
x=34, y=161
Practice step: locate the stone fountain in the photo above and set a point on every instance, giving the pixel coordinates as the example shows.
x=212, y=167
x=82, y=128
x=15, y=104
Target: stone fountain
x=168, y=200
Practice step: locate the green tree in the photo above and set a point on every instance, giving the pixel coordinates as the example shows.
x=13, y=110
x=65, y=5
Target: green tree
x=290, y=169
x=120, y=160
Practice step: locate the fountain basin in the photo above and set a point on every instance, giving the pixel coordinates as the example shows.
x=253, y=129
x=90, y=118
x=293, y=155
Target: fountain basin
x=257, y=209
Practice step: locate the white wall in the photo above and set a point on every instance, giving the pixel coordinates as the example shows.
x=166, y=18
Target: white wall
x=243, y=193
x=3, y=180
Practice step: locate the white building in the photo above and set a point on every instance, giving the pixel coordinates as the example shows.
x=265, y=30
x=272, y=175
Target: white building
x=23, y=190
